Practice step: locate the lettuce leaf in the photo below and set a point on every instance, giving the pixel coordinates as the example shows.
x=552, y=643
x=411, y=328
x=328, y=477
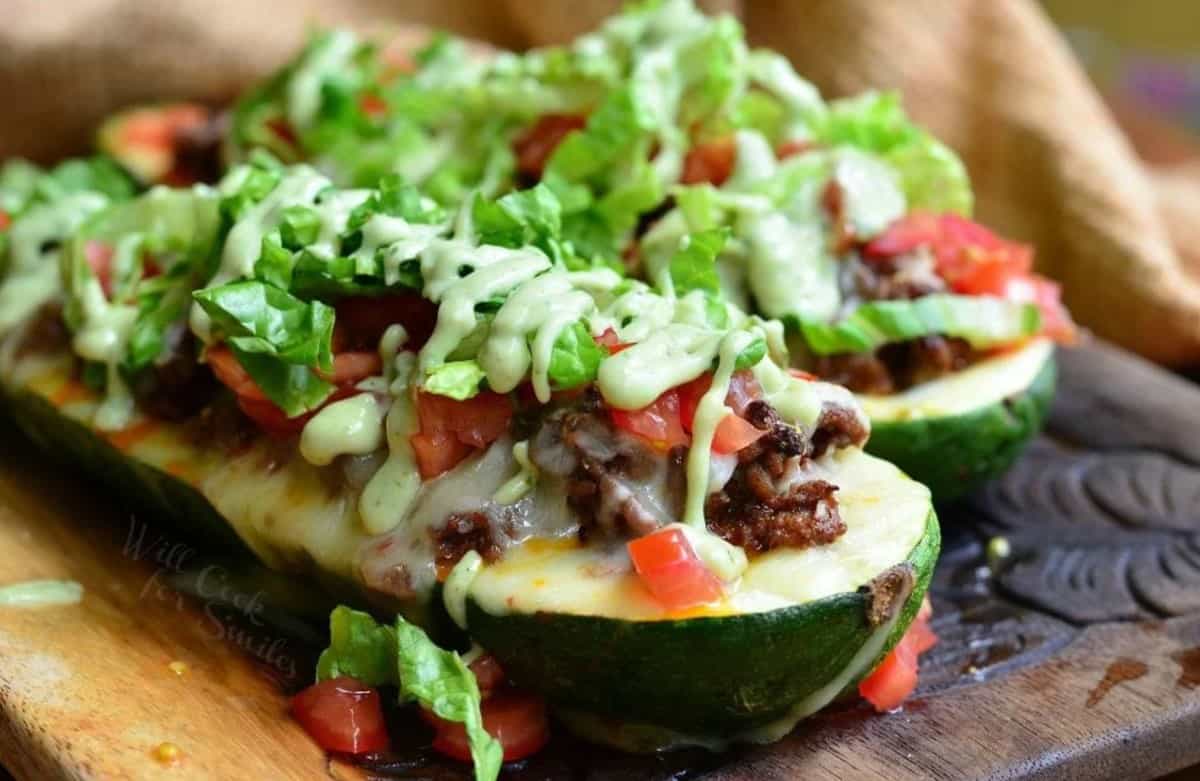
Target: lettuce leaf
x=575, y=358
x=694, y=266
x=933, y=176
x=983, y=321
x=404, y=656
x=457, y=379
x=278, y=338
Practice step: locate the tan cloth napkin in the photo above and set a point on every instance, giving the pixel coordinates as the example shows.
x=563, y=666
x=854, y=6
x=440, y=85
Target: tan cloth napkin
x=991, y=77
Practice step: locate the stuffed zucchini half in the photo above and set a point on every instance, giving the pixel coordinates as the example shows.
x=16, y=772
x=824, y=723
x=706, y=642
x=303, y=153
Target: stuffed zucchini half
x=462, y=422
x=845, y=220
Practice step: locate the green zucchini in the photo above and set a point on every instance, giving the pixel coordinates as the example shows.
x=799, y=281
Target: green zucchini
x=568, y=626
x=958, y=431
x=600, y=649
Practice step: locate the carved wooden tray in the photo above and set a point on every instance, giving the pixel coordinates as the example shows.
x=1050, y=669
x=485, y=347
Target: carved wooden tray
x=1076, y=656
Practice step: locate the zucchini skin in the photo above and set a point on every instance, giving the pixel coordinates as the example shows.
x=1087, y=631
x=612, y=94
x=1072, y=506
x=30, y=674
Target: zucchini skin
x=159, y=496
x=954, y=455
x=708, y=676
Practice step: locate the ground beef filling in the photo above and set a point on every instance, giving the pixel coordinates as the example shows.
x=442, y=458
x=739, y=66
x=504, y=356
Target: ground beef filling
x=463, y=532
x=767, y=503
x=616, y=484
x=895, y=367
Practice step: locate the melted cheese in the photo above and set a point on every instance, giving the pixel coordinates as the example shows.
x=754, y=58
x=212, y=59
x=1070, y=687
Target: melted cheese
x=885, y=515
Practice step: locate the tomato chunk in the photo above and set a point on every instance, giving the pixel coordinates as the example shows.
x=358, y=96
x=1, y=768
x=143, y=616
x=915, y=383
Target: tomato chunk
x=372, y=105
x=891, y=683
x=5, y=220
x=793, y=147
x=671, y=571
x=733, y=434
x=710, y=162
x=99, y=258
x=611, y=342
x=350, y=368
x=223, y=363
x=342, y=714
x=452, y=429
x=437, y=453
x=488, y=674
x=917, y=229
x=535, y=146
x=516, y=719
x=659, y=422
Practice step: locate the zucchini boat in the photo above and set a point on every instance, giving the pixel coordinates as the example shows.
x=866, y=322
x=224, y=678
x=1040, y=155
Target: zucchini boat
x=456, y=417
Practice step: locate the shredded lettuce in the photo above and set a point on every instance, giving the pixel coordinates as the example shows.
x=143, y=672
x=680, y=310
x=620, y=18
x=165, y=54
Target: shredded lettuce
x=402, y=655
x=933, y=177
x=575, y=358
x=457, y=379
x=694, y=266
x=522, y=219
x=982, y=321
x=278, y=338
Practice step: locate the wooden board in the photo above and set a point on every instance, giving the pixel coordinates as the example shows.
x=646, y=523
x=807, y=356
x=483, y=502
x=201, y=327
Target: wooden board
x=1078, y=656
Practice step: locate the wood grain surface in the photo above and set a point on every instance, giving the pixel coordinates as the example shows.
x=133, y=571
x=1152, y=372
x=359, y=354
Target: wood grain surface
x=88, y=691
x=1077, y=656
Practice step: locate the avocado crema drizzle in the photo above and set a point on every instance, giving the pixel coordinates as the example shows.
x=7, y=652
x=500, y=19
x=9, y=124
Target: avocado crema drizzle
x=532, y=300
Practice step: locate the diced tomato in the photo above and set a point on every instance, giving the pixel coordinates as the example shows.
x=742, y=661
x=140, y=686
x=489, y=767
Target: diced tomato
x=282, y=130
x=892, y=681
x=803, y=375
x=342, y=714
x=917, y=229
x=690, y=394
x=5, y=220
x=1056, y=320
x=372, y=105
x=361, y=320
x=99, y=258
x=535, y=146
x=488, y=674
x=611, y=342
x=452, y=429
x=710, y=162
x=350, y=368
x=793, y=147
x=734, y=433
x=437, y=453
x=232, y=375
x=516, y=719
x=923, y=638
x=159, y=126
x=671, y=571
x=743, y=389
x=274, y=421
x=478, y=421
x=659, y=422
x=890, y=684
